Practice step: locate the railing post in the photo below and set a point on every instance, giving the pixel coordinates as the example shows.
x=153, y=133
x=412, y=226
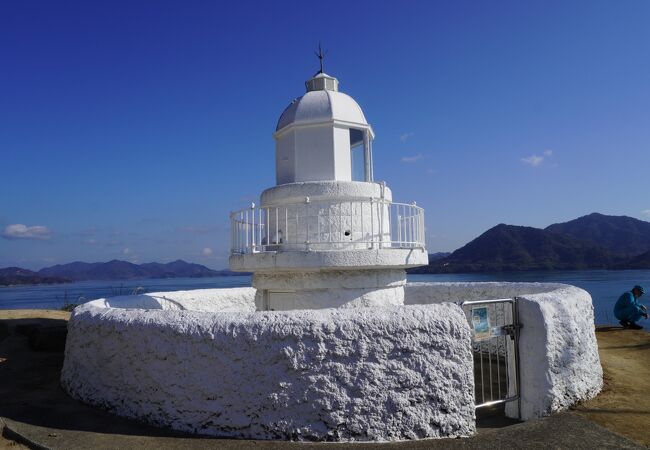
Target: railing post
x=372, y=224
x=253, y=227
x=413, y=225
x=307, y=223
x=246, y=231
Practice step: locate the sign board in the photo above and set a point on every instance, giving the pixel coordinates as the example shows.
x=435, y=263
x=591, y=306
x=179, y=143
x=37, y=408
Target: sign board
x=481, y=323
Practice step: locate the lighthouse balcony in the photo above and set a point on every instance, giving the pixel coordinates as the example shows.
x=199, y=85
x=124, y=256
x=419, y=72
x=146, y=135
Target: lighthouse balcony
x=327, y=225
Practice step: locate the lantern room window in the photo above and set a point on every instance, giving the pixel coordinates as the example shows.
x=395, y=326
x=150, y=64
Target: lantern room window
x=358, y=154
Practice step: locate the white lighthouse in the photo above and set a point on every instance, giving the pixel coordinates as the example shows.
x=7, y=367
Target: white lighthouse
x=327, y=235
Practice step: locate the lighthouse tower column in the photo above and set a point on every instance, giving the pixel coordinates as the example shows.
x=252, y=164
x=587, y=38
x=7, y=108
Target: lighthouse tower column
x=326, y=235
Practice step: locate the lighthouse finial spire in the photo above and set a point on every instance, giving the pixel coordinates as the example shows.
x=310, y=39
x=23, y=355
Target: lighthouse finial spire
x=320, y=55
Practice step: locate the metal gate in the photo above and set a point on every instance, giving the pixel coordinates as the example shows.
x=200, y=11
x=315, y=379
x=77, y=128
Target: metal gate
x=495, y=327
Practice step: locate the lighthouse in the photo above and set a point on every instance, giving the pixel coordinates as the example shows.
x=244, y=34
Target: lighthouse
x=327, y=235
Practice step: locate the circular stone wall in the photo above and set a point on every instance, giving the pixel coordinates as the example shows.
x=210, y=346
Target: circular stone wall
x=558, y=352
x=205, y=362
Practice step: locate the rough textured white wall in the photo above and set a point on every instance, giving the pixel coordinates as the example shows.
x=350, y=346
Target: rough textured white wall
x=329, y=289
x=322, y=226
x=335, y=374
x=559, y=362
x=330, y=221
x=558, y=352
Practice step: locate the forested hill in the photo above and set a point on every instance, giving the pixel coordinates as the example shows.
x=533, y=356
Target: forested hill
x=595, y=241
x=111, y=270
x=622, y=235
x=16, y=275
x=123, y=270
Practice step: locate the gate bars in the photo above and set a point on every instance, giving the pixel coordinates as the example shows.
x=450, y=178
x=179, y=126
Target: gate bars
x=496, y=352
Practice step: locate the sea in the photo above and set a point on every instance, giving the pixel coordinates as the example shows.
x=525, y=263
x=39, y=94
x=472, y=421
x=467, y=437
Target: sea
x=605, y=286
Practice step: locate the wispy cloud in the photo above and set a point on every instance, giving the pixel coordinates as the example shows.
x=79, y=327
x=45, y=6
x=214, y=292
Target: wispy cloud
x=126, y=251
x=207, y=251
x=645, y=212
x=411, y=159
x=20, y=231
x=405, y=137
x=533, y=160
x=537, y=160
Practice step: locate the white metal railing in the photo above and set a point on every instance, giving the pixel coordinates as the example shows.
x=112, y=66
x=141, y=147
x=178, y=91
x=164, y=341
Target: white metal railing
x=327, y=225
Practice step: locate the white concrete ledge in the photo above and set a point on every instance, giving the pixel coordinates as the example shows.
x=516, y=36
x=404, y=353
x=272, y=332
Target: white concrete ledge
x=323, y=190
x=397, y=258
x=209, y=300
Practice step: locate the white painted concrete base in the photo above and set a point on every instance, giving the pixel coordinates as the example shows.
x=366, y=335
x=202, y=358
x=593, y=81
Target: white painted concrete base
x=559, y=354
x=559, y=362
x=329, y=289
x=204, y=362
x=335, y=374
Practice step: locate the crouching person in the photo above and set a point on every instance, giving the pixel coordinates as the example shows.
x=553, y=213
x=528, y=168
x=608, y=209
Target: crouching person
x=628, y=310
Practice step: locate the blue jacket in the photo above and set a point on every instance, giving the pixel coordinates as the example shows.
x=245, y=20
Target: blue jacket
x=627, y=306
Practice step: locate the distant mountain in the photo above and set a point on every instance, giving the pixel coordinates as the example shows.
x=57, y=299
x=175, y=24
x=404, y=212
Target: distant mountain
x=509, y=247
x=15, y=275
x=621, y=235
x=123, y=270
x=437, y=256
x=641, y=261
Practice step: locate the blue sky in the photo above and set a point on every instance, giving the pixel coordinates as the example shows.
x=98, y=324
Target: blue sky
x=129, y=130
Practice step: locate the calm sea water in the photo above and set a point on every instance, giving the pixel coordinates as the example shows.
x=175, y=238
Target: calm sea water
x=603, y=285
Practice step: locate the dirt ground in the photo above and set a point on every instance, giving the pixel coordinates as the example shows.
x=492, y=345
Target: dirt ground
x=624, y=404
x=23, y=316
x=12, y=314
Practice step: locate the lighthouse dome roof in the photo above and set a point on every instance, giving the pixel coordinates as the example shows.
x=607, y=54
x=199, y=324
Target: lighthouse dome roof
x=322, y=103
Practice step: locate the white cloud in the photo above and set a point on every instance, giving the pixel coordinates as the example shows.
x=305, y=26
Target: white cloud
x=207, y=251
x=537, y=160
x=20, y=231
x=126, y=251
x=533, y=160
x=91, y=241
x=405, y=137
x=412, y=159
x=645, y=212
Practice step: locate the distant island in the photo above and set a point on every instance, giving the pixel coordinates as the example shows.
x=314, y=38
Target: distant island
x=595, y=241
x=112, y=270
